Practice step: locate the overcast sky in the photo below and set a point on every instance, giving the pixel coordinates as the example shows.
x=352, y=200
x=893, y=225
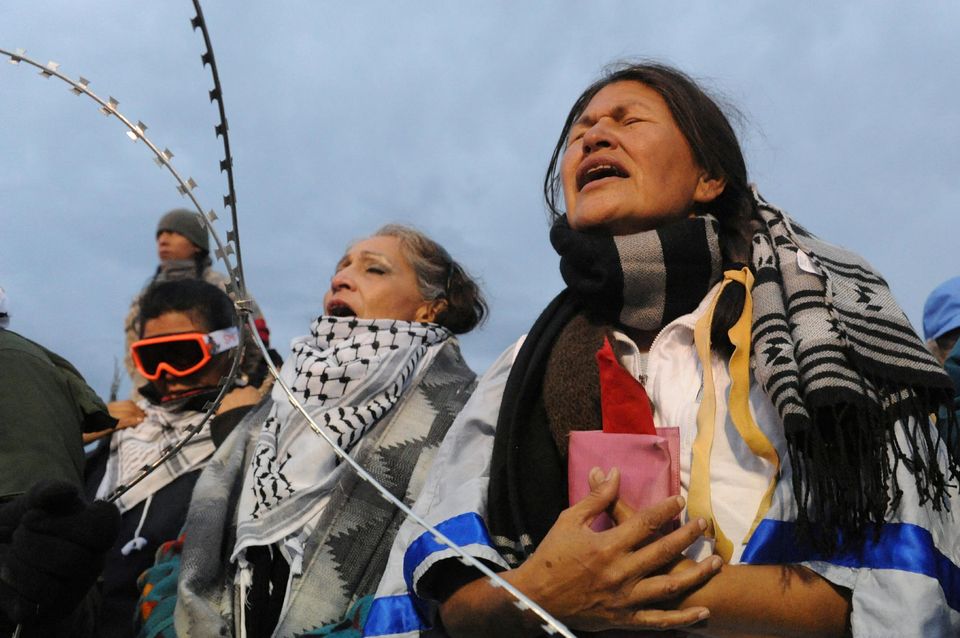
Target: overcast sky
x=346, y=116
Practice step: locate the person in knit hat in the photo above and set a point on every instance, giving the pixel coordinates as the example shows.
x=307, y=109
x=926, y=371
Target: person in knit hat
x=183, y=248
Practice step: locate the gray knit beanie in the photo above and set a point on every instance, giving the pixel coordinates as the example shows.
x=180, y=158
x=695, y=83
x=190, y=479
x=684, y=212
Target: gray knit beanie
x=188, y=224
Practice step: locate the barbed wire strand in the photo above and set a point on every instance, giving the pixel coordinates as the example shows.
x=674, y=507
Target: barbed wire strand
x=135, y=132
x=223, y=132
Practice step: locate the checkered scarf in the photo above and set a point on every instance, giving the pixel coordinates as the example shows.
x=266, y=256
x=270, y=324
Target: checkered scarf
x=347, y=373
x=133, y=448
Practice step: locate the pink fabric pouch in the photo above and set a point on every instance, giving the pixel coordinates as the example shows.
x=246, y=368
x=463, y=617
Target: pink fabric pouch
x=649, y=466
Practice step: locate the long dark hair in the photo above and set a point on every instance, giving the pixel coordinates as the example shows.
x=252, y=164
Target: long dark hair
x=715, y=148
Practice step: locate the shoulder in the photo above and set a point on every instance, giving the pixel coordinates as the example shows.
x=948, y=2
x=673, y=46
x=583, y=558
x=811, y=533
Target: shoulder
x=22, y=351
x=216, y=278
x=449, y=360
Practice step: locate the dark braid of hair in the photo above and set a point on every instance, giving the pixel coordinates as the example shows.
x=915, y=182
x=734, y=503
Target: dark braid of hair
x=465, y=307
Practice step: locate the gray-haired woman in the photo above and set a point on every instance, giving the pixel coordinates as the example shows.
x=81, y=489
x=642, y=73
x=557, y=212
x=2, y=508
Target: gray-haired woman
x=282, y=538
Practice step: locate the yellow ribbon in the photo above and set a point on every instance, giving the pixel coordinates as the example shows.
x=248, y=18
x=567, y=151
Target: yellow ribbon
x=699, y=503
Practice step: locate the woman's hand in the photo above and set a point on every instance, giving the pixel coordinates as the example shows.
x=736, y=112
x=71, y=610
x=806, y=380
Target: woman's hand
x=610, y=579
x=127, y=413
x=758, y=600
x=238, y=398
x=592, y=580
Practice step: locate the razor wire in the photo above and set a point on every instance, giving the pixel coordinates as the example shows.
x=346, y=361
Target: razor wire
x=135, y=132
x=244, y=305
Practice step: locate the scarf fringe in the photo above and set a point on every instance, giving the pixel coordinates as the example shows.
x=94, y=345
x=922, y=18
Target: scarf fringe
x=844, y=466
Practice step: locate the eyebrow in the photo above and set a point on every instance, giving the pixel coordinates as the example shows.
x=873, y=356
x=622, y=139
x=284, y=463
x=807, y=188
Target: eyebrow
x=368, y=255
x=618, y=112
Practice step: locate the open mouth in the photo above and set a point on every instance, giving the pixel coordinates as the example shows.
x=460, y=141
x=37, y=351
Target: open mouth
x=597, y=170
x=340, y=309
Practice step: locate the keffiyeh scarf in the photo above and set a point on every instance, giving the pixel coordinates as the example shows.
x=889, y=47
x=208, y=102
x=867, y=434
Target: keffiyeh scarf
x=347, y=373
x=134, y=447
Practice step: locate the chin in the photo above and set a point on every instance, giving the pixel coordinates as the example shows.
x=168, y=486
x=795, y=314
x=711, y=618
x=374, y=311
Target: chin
x=592, y=223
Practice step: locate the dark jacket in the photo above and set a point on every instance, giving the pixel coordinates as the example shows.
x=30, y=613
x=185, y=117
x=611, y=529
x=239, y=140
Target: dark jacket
x=45, y=406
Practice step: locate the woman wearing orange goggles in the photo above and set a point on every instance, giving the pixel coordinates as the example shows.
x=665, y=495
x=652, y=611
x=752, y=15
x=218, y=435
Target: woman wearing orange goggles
x=181, y=354
x=187, y=336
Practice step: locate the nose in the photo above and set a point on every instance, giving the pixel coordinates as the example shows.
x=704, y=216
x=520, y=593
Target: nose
x=341, y=280
x=598, y=136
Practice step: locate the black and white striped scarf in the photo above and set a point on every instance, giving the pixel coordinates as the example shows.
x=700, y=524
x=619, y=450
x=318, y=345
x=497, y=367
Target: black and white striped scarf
x=347, y=373
x=831, y=348
x=843, y=366
x=644, y=280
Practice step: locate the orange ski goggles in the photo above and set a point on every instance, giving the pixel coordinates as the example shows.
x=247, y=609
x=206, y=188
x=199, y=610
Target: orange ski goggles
x=181, y=354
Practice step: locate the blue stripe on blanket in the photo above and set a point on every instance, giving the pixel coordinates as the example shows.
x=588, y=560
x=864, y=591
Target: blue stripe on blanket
x=901, y=546
x=464, y=529
x=393, y=615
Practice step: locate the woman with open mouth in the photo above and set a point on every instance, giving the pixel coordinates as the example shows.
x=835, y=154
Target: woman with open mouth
x=281, y=538
x=815, y=497
x=188, y=334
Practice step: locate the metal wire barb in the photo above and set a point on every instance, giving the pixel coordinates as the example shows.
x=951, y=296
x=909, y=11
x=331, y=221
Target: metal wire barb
x=222, y=131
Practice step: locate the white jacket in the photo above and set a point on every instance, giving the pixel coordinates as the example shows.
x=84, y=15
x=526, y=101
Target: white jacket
x=907, y=584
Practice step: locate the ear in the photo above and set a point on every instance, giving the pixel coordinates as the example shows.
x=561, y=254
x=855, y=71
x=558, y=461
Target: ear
x=429, y=310
x=708, y=188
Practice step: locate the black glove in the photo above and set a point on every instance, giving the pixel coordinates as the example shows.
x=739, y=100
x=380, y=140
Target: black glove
x=56, y=553
x=11, y=512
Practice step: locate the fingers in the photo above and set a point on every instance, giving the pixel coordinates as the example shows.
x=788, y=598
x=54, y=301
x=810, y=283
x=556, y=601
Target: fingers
x=126, y=408
x=128, y=422
x=620, y=511
x=127, y=413
x=599, y=499
x=678, y=581
x=662, y=551
x=646, y=523
x=671, y=619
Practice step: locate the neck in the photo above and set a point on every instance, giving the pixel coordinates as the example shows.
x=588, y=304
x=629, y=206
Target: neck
x=642, y=338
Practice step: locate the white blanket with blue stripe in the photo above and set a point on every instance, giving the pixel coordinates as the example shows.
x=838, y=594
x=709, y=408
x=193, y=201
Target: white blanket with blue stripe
x=906, y=583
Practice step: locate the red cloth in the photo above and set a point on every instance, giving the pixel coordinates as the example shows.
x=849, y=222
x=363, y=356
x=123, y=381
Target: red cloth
x=624, y=404
x=263, y=330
